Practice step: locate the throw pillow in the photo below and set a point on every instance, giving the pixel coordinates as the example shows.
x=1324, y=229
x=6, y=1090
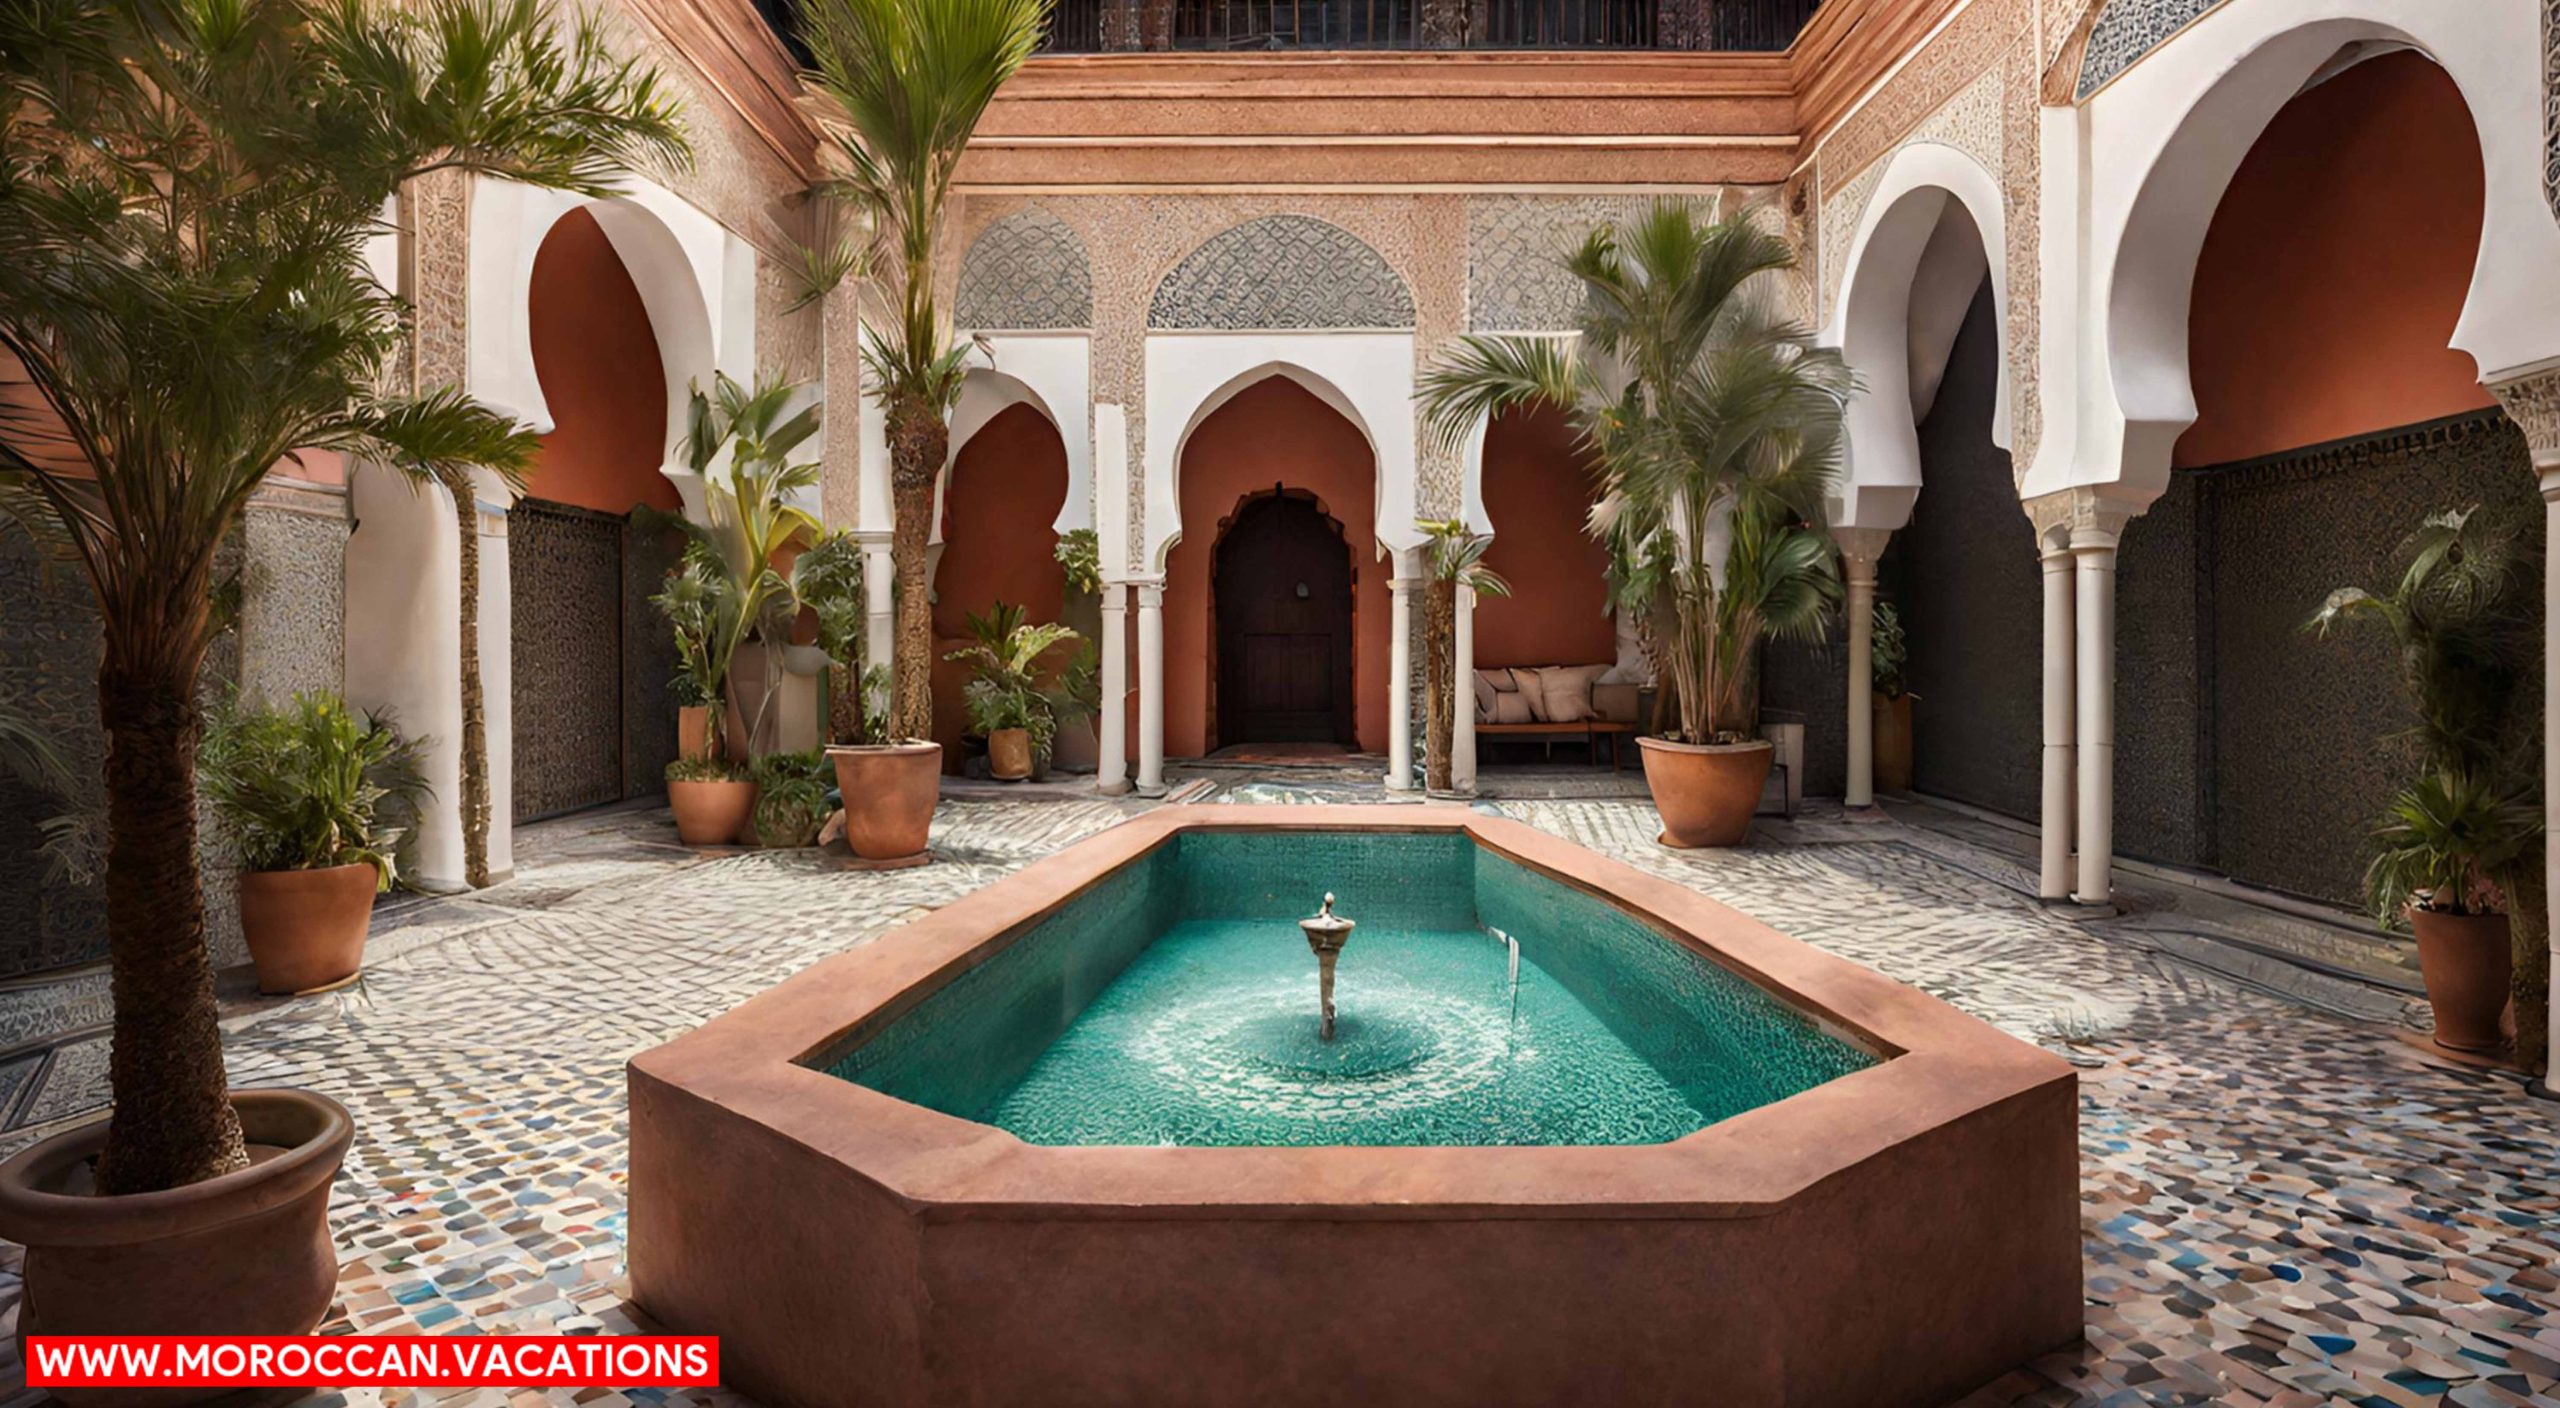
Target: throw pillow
x=1533, y=688
x=1490, y=685
x=1512, y=708
x=1568, y=691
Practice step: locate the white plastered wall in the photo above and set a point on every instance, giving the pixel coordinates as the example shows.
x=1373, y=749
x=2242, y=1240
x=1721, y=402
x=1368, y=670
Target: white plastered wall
x=2143, y=165
x=1367, y=376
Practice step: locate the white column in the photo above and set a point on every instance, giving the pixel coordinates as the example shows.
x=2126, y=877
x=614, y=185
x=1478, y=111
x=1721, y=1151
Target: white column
x=2060, y=664
x=1150, y=689
x=1462, y=698
x=1111, y=774
x=879, y=601
x=1859, y=549
x=497, y=674
x=2549, y=469
x=1400, y=589
x=2093, y=554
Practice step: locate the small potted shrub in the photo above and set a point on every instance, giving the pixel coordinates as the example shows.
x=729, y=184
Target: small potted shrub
x=2434, y=853
x=1893, y=696
x=1708, y=419
x=1004, y=697
x=318, y=799
x=889, y=784
x=710, y=796
x=792, y=799
x=2459, y=852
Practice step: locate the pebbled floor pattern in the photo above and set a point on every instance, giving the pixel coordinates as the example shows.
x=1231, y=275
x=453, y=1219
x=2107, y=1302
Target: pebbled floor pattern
x=2283, y=1203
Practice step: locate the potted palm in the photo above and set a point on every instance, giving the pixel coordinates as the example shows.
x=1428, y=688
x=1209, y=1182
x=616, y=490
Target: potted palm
x=187, y=193
x=1453, y=558
x=1005, y=699
x=1891, y=742
x=710, y=795
x=317, y=798
x=2457, y=851
x=792, y=803
x=1714, y=429
x=906, y=82
x=889, y=785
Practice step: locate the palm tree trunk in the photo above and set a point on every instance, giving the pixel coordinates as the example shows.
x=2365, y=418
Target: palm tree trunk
x=475, y=714
x=1439, y=650
x=2529, y=930
x=918, y=444
x=173, y=1123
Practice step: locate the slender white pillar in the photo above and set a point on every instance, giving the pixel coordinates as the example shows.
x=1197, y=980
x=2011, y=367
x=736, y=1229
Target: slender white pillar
x=1150, y=689
x=2093, y=554
x=2060, y=666
x=1860, y=548
x=2550, y=472
x=1111, y=773
x=1462, y=702
x=879, y=602
x=1400, y=588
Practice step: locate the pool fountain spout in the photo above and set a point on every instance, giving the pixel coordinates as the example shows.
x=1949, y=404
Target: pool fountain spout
x=1327, y=932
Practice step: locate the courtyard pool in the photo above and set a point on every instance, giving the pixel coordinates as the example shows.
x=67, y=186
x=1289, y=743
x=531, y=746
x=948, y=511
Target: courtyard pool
x=1080, y=1137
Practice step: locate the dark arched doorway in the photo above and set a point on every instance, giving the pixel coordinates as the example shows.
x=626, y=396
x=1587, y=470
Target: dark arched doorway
x=1282, y=590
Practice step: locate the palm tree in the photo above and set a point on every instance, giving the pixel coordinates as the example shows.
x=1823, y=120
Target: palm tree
x=186, y=191
x=1453, y=557
x=911, y=79
x=1710, y=420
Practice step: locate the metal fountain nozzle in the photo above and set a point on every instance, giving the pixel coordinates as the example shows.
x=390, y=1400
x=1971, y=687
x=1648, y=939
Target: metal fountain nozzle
x=1326, y=933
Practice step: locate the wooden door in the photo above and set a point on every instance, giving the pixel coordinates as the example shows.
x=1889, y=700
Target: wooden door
x=1283, y=596
x=566, y=570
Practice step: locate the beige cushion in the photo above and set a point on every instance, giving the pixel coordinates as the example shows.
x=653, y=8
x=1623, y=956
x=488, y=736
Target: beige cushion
x=1512, y=708
x=1533, y=688
x=1568, y=691
x=1491, y=684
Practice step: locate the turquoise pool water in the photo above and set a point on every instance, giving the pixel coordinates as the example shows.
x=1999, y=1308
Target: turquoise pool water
x=1175, y=1003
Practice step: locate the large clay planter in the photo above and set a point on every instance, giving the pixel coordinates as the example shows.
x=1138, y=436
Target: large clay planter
x=248, y=1253
x=889, y=791
x=1892, y=748
x=305, y=928
x=1076, y=748
x=1706, y=792
x=2467, y=963
x=1009, y=754
x=711, y=813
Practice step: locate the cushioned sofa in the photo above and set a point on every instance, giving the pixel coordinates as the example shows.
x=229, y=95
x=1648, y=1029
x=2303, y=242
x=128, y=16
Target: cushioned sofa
x=1549, y=703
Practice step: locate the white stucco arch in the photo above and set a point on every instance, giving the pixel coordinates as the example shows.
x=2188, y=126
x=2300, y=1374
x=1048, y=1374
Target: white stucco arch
x=1367, y=377
x=1933, y=231
x=2162, y=143
x=1053, y=375
x=695, y=278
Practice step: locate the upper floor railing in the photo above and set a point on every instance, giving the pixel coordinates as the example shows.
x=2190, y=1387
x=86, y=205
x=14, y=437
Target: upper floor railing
x=1746, y=26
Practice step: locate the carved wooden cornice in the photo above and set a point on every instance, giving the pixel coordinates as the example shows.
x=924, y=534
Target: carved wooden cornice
x=737, y=57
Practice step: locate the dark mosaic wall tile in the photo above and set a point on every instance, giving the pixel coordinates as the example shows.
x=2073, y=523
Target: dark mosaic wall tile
x=1809, y=684
x=648, y=659
x=2161, y=807
x=49, y=672
x=1964, y=575
x=566, y=614
x=2303, y=730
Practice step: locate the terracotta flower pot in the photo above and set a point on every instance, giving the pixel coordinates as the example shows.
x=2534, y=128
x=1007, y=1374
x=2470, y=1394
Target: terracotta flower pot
x=305, y=928
x=1076, y=748
x=248, y=1253
x=1706, y=792
x=711, y=813
x=1009, y=754
x=1892, y=748
x=889, y=791
x=2467, y=962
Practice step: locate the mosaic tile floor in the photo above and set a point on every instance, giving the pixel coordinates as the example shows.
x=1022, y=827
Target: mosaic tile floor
x=2284, y=1204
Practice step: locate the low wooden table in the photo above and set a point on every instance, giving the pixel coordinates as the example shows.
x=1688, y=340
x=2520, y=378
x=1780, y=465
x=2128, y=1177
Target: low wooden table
x=1590, y=731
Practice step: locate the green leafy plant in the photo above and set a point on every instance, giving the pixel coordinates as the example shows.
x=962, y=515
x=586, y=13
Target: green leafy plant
x=1452, y=558
x=727, y=591
x=827, y=582
x=2461, y=617
x=1708, y=416
x=910, y=80
x=1005, y=690
x=793, y=797
x=311, y=784
x=710, y=768
x=1888, y=652
x=1079, y=553
x=873, y=719
x=188, y=190
x=1078, y=694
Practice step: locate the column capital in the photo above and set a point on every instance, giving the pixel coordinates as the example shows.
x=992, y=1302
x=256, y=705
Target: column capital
x=1150, y=595
x=2532, y=401
x=2084, y=517
x=1860, y=548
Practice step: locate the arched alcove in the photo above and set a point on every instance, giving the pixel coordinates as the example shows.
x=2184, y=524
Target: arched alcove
x=998, y=543
x=1536, y=494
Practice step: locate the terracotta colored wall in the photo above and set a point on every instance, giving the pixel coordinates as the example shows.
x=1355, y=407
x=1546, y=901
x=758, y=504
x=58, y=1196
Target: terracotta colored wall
x=2335, y=269
x=998, y=544
x=1272, y=432
x=600, y=370
x=1537, y=492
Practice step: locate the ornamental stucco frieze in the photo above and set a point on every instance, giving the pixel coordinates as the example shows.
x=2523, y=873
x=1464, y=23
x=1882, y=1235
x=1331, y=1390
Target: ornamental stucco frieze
x=2128, y=29
x=1971, y=122
x=1026, y=272
x=1282, y=271
x=2533, y=403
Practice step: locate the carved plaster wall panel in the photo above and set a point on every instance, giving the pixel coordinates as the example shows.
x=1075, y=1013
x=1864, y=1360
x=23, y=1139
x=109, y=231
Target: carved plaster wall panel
x=1282, y=271
x=2551, y=103
x=1026, y=272
x=2128, y=29
x=1972, y=122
